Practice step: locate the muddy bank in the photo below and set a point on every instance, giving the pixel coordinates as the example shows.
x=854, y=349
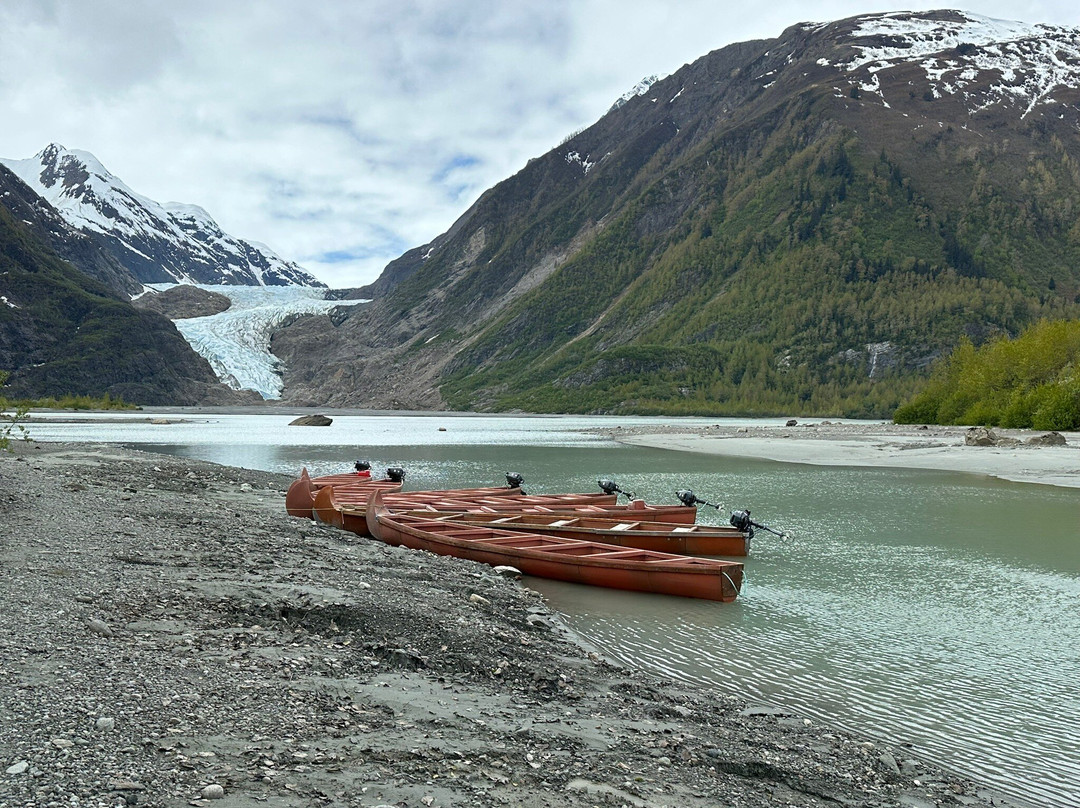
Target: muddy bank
x=170, y=637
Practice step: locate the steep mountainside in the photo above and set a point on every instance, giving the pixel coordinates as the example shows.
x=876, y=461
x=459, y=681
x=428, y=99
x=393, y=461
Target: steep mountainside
x=792, y=225
x=62, y=332
x=155, y=243
x=73, y=245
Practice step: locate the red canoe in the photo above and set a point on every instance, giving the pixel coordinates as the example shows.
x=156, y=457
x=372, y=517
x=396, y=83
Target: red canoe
x=663, y=537
x=300, y=497
x=331, y=499
x=560, y=558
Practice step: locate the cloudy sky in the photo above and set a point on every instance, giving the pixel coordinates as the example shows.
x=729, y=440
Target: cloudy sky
x=344, y=132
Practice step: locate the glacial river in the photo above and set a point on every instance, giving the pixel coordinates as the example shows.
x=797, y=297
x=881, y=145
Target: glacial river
x=936, y=610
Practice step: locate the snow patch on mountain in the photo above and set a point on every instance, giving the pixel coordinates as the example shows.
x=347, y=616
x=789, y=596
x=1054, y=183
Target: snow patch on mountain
x=1012, y=62
x=175, y=241
x=236, y=342
x=640, y=88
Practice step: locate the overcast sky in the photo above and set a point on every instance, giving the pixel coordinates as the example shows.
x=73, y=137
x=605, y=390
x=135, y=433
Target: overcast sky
x=343, y=132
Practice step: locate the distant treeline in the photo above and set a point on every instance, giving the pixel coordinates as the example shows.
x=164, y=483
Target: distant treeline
x=1031, y=382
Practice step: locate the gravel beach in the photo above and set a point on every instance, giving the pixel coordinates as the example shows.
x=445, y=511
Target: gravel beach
x=170, y=637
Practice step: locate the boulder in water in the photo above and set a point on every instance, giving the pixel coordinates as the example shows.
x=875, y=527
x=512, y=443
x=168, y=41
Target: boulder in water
x=984, y=436
x=1049, y=439
x=312, y=420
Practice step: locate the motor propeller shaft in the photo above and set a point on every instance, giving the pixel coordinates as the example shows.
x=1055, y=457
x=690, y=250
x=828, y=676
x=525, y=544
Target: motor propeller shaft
x=742, y=521
x=612, y=487
x=688, y=497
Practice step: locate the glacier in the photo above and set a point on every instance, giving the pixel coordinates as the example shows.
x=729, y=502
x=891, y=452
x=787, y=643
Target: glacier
x=236, y=342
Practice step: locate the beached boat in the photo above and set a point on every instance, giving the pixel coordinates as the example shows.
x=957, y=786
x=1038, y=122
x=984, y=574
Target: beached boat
x=346, y=507
x=637, y=510
x=664, y=537
x=300, y=498
x=563, y=559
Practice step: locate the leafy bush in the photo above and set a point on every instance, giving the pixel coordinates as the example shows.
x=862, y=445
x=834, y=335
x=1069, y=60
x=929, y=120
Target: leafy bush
x=10, y=421
x=1032, y=382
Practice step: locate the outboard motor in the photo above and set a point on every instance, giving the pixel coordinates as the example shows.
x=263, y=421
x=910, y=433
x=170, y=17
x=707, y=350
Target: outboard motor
x=740, y=520
x=612, y=487
x=361, y=466
x=689, y=498
x=395, y=474
x=514, y=480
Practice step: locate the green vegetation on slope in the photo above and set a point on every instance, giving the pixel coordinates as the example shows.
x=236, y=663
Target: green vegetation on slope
x=808, y=279
x=63, y=333
x=1032, y=382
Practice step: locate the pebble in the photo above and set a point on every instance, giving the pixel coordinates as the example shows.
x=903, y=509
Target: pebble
x=213, y=792
x=18, y=768
x=480, y=599
x=104, y=724
x=889, y=762
x=99, y=627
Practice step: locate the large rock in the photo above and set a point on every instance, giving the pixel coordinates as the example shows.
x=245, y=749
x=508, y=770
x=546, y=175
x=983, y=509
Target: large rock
x=182, y=302
x=1049, y=439
x=312, y=420
x=983, y=436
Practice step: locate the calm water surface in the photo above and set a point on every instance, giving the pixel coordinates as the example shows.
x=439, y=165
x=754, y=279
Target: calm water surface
x=933, y=609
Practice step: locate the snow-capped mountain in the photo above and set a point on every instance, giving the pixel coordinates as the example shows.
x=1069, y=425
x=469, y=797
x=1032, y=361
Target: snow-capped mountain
x=980, y=61
x=905, y=163
x=171, y=243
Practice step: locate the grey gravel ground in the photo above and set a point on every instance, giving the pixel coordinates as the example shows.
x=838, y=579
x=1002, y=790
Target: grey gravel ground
x=171, y=637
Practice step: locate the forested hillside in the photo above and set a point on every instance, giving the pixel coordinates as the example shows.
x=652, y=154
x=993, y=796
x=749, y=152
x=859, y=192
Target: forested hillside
x=786, y=226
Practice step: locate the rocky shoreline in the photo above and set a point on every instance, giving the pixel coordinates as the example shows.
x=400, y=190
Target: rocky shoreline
x=171, y=637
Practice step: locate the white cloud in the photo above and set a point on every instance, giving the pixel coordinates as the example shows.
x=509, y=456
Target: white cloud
x=341, y=128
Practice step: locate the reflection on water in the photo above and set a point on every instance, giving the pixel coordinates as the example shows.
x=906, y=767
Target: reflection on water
x=934, y=609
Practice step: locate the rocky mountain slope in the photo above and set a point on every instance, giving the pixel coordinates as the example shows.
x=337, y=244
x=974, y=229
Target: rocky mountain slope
x=794, y=224
x=62, y=332
x=154, y=243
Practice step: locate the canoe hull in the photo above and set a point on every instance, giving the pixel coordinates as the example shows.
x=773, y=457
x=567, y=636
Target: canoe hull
x=660, y=537
x=561, y=559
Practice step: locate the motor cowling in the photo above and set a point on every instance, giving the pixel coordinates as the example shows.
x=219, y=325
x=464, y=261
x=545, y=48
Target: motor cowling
x=740, y=520
x=395, y=474
x=687, y=497
x=514, y=480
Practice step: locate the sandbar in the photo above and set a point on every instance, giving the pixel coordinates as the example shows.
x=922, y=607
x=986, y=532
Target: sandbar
x=875, y=444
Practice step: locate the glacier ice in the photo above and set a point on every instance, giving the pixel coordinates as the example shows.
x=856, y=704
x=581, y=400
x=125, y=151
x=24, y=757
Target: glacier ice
x=236, y=342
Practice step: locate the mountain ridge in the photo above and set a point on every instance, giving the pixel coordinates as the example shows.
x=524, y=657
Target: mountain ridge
x=758, y=232
x=64, y=332
x=155, y=243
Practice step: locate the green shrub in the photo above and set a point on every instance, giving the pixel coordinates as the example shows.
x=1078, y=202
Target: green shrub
x=10, y=418
x=922, y=409
x=1029, y=382
x=1057, y=407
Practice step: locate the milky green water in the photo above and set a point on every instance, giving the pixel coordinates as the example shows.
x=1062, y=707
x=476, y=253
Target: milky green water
x=931, y=609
